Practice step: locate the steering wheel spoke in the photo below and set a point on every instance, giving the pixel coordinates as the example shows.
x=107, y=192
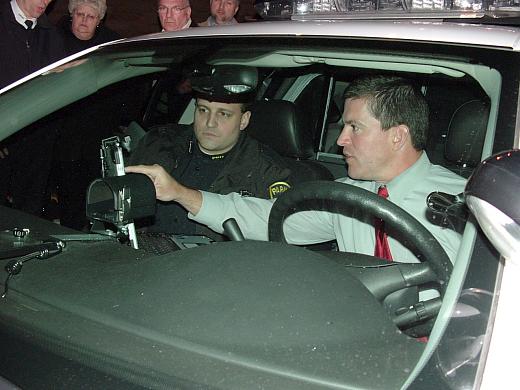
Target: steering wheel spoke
x=434, y=267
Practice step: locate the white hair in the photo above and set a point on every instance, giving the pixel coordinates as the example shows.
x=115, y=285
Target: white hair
x=100, y=5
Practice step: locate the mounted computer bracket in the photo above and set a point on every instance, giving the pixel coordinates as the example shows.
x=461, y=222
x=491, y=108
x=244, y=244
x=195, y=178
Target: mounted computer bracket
x=118, y=201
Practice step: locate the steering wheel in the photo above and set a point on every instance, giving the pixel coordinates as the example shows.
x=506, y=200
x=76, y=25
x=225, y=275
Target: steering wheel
x=340, y=198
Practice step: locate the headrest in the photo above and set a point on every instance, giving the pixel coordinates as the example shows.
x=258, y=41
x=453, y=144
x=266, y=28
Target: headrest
x=223, y=83
x=466, y=133
x=334, y=114
x=279, y=124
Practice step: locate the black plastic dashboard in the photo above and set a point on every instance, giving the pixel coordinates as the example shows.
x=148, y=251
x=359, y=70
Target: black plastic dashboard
x=232, y=313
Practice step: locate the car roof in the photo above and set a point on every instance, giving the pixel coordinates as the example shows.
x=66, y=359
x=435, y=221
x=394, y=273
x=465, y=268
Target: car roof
x=408, y=29
x=436, y=31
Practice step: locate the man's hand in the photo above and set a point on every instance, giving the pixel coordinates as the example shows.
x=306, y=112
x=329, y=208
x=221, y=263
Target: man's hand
x=165, y=185
x=167, y=188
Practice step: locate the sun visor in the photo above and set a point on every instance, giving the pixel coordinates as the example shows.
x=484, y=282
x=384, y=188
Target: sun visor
x=224, y=83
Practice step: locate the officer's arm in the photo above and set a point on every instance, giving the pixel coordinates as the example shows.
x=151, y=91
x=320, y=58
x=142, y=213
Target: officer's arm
x=168, y=189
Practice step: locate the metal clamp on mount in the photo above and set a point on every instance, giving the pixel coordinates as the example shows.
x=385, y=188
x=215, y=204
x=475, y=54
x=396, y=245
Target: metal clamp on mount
x=118, y=198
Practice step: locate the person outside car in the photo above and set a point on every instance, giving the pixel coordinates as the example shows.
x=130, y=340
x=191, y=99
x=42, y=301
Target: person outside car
x=84, y=26
x=222, y=13
x=27, y=38
x=174, y=15
x=28, y=42
x=85, y=123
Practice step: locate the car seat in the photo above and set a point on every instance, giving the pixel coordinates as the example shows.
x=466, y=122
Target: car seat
x=334, y=127
x=278, y=124
x=465, y=137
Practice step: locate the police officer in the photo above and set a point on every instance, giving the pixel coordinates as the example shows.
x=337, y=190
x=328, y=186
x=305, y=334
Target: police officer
x=214, y=153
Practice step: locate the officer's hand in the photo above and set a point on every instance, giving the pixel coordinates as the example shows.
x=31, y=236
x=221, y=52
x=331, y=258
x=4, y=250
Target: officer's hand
x=169, y=189
x=165, y=185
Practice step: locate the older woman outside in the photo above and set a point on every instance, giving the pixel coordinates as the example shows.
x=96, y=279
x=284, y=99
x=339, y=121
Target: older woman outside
x=84, y=125
x=84, y=28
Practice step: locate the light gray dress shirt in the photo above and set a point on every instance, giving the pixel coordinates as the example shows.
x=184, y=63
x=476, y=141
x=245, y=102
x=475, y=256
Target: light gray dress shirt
x=353, y=233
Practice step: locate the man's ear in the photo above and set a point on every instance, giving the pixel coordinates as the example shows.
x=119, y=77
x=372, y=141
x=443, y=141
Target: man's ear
x=244, y=120
x=400, y=136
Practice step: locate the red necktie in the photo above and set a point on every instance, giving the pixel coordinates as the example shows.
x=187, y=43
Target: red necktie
x=382, y=248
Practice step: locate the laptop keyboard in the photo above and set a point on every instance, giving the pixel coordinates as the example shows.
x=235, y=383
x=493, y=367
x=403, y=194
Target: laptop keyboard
x=157, y=243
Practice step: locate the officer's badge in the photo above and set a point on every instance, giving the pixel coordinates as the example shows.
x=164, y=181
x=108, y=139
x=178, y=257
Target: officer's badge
x=277, y=188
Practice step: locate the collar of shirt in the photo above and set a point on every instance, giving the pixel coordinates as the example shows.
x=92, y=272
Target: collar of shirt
x=187, y=25
x=213, y=22
x=213, y=157
x=20, y=16
x=400, y=186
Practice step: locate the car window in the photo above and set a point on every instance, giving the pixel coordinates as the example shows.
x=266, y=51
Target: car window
x=443, y=120
x=170, y=95
x=319, y=92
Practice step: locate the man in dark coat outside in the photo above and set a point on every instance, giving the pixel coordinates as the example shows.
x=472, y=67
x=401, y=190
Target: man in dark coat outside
x=25, y=50
x=28, y=42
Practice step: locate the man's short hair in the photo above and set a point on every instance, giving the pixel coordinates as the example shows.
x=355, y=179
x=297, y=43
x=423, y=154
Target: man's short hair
x=394, y=101
x=187, y=2
x=100, y=5
x=237, y=1
x=243, y=106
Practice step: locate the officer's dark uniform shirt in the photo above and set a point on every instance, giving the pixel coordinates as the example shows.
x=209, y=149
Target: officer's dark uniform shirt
x=249, y=168
x=200, y=171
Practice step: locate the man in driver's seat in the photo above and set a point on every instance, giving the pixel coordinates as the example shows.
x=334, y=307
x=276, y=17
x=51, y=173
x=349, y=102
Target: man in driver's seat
x=383, y=140
x=214, y=153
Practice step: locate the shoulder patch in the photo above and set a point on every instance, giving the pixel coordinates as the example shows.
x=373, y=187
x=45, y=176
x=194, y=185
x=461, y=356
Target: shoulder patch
x=277, y=188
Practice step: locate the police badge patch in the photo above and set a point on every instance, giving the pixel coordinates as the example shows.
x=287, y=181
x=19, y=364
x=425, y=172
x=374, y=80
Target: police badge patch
x=277, y=188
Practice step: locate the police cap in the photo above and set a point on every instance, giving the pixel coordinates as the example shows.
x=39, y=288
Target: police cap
x=224, y=83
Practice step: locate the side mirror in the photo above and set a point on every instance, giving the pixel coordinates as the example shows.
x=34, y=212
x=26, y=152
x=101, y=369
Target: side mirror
x=493, y=196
